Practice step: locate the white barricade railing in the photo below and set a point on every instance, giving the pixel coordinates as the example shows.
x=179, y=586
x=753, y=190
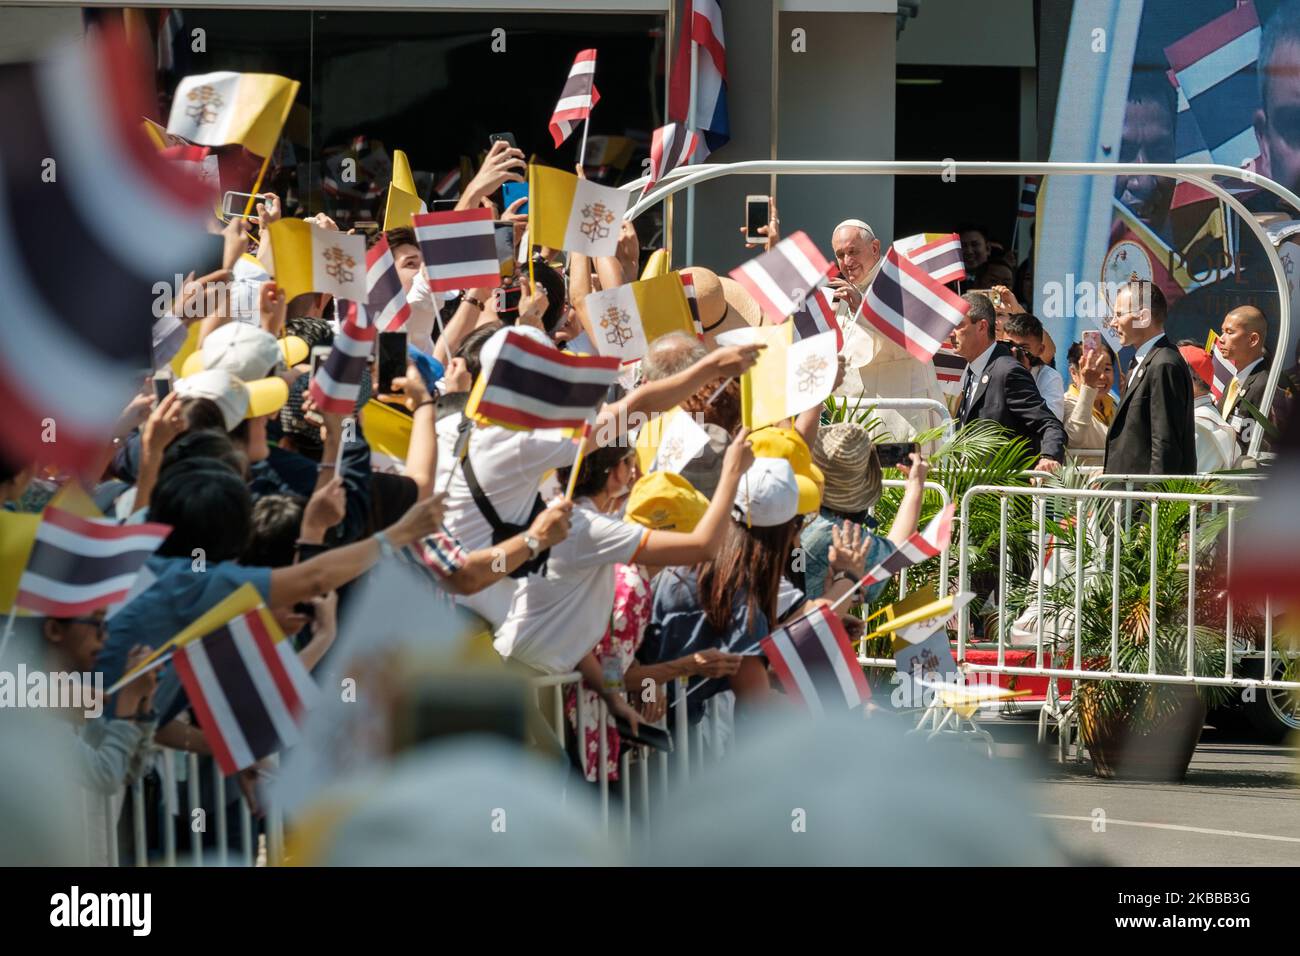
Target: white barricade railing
x=945, y=498
x=1106, y=502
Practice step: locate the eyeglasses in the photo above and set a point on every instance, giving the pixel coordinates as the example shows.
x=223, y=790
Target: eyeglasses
x=98, y=623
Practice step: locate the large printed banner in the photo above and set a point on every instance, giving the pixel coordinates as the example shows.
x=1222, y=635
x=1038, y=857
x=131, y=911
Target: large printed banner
x=1168, y=81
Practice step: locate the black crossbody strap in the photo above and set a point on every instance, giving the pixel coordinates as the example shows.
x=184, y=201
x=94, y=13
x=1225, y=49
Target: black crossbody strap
x=480, y=499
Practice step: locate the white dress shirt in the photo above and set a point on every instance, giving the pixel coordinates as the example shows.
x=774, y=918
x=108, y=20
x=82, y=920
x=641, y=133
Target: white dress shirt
x=1052, y=388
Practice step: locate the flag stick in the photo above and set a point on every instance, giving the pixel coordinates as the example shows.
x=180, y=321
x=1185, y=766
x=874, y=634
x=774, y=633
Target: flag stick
x=582, y=150
x=248, y=206
x=691, y=124
x=577, y=461
x=9, y=628
x=719, y=389
x=127, y=678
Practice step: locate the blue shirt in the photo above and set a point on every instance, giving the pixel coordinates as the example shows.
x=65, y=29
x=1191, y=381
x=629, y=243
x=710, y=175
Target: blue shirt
x=815, y=539
x=178, y=596
x=678, y=627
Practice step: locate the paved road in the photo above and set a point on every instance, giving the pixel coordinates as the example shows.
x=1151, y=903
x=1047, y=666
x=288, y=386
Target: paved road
x=1238, y=806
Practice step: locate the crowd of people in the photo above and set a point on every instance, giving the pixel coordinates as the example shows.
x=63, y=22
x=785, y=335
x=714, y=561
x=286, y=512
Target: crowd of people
x=639, y=576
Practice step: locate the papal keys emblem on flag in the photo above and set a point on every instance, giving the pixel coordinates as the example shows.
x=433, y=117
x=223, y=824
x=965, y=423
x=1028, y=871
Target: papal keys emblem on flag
x=596, y=221
x=810, y=373
x=205, y=101
x=618, y=326
x=338, y=264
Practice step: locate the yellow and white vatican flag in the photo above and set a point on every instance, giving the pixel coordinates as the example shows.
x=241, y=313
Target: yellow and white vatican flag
x=789, y=377
x=680, y=441
x=565, y=212
x=218, y=109
x=404, y=200
x=627, y=318
x=311, y=259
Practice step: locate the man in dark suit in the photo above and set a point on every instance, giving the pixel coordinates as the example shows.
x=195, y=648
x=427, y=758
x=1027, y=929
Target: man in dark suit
x=1241, y=342
x=1153, y=431
x=997, y=388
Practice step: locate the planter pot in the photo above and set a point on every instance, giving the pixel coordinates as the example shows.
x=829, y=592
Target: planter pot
x=1161, y=750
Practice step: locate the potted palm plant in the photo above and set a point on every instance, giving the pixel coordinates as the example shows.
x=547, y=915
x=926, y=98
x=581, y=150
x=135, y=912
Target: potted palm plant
x=1139, y=729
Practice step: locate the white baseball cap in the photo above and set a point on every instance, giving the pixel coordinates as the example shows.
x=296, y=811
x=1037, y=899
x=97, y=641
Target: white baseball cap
x=237, y=400
x=245, y=351
x=768, y=494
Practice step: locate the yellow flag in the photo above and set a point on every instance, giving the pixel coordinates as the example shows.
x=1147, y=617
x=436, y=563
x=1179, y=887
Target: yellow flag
x=403, y=198
x=1209, y=342
x=565, y=212
x=389, y=433
x=17, y=535
x=656, y=265
x=218, y=109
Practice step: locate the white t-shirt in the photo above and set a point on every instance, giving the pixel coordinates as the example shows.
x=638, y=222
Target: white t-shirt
x=556, y=618
x=509, y=465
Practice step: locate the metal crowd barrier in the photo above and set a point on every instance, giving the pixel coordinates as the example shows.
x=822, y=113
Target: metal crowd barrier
x=1111, y=501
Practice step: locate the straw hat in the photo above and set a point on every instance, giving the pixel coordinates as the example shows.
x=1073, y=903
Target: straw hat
x=724, y=305
x=847, y=457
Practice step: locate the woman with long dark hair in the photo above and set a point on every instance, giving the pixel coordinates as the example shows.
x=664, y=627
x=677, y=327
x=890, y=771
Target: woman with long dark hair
x=733, y=600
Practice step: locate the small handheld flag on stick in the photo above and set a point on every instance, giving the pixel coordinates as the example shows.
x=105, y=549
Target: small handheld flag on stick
x=336, y=386
x=458, y=248
x=781, y=280
x=531, y=385
x=814, y=660
x=576, y=100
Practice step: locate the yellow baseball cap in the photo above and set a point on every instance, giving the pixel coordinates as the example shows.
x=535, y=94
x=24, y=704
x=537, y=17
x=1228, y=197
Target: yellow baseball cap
x=664, y=501
x=789, y=444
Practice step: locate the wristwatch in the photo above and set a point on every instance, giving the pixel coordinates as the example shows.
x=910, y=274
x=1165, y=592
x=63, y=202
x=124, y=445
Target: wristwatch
x=534, y=546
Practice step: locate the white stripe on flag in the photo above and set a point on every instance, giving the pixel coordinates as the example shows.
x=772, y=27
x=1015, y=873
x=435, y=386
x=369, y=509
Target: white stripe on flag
x=215, y=697
x=455, y=270
x=454, y=230
x=1218, y=65
x=577, y=374
x=286, y=728
x=308, y=692
x=50, y=589
x=821, y=627
x=767, y=285
x=88, y=547
x=580, y=102
x=799, y=673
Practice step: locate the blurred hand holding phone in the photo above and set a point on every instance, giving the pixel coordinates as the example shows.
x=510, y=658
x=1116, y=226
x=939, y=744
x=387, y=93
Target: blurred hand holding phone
x=893, y=454
x=757, y=213
x=392, y=360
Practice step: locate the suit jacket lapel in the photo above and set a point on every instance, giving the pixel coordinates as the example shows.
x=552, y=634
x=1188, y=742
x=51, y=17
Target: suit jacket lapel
x=998, y=351
x=1142, y=372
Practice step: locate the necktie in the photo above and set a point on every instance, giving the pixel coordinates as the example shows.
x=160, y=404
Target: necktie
x=966, y=383
x=1234, y=389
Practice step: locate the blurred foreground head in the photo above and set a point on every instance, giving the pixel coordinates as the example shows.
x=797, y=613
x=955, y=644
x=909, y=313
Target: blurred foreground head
x=844, y=791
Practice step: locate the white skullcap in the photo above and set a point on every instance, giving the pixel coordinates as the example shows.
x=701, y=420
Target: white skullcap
x=857, y=223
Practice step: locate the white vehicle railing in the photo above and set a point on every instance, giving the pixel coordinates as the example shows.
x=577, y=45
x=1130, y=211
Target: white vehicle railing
x=1199, y=174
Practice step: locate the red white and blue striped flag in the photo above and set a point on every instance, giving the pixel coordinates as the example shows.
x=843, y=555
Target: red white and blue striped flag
x=670, y=146
x=336, y=386
x=814, y=660
x=1028, y=197
x=910, y=308
x=1224, y=371
x=248, y=688
x=78, y=565
x=927, y=543
x=386, y=300
x=459, y=249
x=781, y=280
x=531, y=385
x=577, y=98
x=1215, y=69
x=692, y=300
x=63, y=358
x=939, y=254
x=817, y=316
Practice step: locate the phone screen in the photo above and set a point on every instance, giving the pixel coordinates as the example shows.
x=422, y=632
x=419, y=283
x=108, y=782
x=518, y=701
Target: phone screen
x=512, y=191
x=504, y=234
x=392, y=359
x=443, y=205
x=162, y=385
x=1091, y=341
x=891, y=454
x=756, y=213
